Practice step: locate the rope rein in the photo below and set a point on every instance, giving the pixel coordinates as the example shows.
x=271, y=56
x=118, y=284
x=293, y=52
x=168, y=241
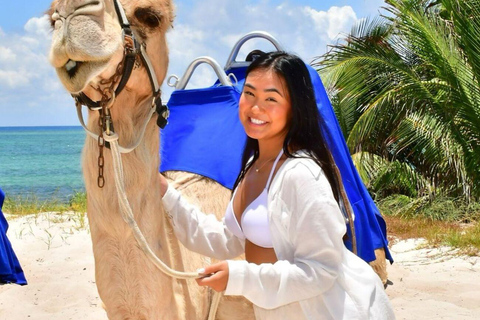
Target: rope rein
x=127, y=215
x=108, y=135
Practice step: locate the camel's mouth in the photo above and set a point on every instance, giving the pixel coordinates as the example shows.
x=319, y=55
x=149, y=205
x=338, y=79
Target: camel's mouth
x=72, y=67
x=76, y=75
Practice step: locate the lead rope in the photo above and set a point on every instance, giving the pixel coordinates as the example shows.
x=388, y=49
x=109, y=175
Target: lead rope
x=127, y=215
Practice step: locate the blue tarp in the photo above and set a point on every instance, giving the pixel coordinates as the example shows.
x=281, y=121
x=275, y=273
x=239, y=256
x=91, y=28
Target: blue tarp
x=10, y=269
x=205, y=136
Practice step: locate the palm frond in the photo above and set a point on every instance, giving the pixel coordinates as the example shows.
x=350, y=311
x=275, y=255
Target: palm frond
x=407, y=90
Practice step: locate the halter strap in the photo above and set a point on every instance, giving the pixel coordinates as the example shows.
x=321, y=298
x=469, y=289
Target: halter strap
x=273, y=169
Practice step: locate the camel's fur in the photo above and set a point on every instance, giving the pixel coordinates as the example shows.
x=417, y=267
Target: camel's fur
x=128, y=284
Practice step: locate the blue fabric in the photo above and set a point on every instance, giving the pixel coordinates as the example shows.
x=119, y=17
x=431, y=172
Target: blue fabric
x=10, y=269
x=204, y=135
x=214, y=150
x=370, y=227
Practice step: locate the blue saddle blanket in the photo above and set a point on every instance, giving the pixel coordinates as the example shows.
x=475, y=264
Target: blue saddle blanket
x=10, y=269
x=204, y=134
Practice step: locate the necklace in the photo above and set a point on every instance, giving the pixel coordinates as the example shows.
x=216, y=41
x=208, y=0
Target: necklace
x=258, y=168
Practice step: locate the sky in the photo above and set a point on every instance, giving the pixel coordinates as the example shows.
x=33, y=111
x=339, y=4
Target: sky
x=31, y=94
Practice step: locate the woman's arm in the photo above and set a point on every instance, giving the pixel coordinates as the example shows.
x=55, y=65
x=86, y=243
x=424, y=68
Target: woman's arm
x=318, y=228
x=197, y=231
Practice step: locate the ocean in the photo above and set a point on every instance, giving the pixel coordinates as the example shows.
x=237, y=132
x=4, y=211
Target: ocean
x=41, y=161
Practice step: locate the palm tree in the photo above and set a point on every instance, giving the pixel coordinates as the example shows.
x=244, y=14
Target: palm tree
x=405, y=87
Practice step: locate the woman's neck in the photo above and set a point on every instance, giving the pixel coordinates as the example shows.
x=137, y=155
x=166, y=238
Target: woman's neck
x=268, y=151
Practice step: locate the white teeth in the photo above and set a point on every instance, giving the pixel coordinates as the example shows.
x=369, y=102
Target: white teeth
x=70, y=65
x=256, y=121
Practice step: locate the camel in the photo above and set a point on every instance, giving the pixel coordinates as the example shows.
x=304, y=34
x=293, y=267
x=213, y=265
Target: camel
x=87, y=51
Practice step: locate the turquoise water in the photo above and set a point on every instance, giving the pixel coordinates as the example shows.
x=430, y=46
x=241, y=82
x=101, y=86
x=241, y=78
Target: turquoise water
x=43, y=161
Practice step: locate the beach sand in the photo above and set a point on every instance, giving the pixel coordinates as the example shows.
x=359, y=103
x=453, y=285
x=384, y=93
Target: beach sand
x=56, y=255
x=433, y=283
x=55, y=252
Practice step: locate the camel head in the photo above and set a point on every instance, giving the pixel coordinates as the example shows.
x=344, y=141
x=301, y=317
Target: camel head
x=88, y=42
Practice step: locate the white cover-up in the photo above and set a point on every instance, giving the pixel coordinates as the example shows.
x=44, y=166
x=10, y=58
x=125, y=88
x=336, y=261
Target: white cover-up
x=315, y=277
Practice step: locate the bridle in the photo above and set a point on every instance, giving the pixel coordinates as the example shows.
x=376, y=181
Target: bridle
x=132, y=49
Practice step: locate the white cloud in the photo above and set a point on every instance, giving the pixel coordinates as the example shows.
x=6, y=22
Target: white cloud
x=332, y=22
x=28, y=84
x=185, y=42
x=24, y=56
x=6, y=55
x=14, y=79
x=303, y=30
x=38, y=26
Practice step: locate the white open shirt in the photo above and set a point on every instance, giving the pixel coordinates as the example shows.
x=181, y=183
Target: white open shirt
x=315, y=277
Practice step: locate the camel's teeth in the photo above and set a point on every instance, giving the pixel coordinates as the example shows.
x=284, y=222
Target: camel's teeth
x=70, y=65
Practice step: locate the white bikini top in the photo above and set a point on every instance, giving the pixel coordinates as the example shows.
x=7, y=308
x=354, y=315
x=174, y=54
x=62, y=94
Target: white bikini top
x=254, y=220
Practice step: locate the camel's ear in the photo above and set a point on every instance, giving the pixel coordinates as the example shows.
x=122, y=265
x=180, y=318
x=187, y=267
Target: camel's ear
x=148, y=17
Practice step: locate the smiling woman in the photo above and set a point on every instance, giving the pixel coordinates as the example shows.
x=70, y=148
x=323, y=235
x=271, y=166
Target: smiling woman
x=286, y=215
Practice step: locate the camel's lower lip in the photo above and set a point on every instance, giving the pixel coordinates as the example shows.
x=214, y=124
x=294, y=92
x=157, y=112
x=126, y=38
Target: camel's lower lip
x=75, y=75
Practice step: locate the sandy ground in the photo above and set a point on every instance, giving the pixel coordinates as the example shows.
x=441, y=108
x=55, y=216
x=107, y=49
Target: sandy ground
x=55, y=252
x=433, y=283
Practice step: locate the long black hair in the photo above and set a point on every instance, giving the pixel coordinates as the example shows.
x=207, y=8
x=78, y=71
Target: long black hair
x=304, y=132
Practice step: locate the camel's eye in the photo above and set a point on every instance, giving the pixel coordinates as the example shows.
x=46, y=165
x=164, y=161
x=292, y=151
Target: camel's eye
x=148, y=17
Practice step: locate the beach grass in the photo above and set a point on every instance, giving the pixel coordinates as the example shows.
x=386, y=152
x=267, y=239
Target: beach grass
x=437, y=209
x=441, y=221
x=31, y=204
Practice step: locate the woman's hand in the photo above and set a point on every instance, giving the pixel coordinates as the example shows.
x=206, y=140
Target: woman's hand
x=216, y=276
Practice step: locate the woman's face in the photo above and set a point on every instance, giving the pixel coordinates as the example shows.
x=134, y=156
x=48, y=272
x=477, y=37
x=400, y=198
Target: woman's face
x=265, y=109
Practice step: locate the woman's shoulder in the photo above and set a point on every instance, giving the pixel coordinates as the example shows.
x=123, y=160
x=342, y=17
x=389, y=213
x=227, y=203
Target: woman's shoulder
x=302, y=176
x=302, y=164
x=299, y=169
